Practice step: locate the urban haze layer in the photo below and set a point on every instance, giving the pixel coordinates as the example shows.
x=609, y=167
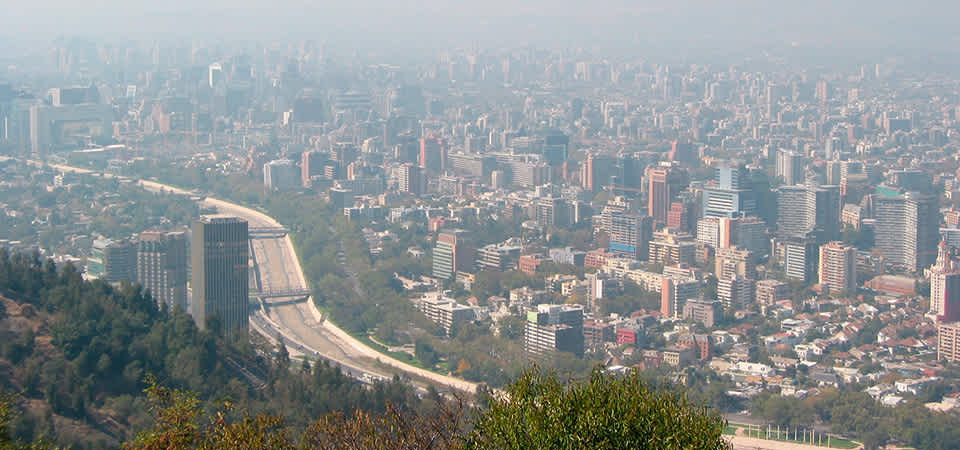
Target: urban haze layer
x=773, y=223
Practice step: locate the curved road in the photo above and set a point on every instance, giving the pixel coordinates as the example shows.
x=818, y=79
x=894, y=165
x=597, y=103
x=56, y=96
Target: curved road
x=301, y=324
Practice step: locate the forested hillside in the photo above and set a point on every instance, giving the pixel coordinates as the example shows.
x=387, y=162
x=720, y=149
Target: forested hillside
x=78, y=356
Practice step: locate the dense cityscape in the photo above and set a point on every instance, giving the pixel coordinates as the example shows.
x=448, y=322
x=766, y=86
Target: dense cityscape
x=772, y=235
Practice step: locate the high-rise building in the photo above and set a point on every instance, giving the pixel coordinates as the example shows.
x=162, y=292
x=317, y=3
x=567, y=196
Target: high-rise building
x=630, y=235
x=948, y=341
x=669, y=248
x=838, y=266
x=555, y=148
x=735, y=292
x=341, y=198
x=748, y=233
x=220, y=283
x=113, y=261
x=907, y=227
x=800, y=260
x=945, y=286
x=809, y=211
x=732, y=195
x=681, y=216
x=451, y=254
x=554, y=328
x=666, y=181
x=597, y=171
x=215, y=75
x=162, y=267
x=433, y=154
x=311, y=165
x=790, y=167
x=732, y=261
x=280, y=175
x=411, y=179
x=674, y=293
x=553, y=211
x=683, y=153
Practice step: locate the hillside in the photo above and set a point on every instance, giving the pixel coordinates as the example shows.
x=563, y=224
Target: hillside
x=78, y=356
x=26, y=332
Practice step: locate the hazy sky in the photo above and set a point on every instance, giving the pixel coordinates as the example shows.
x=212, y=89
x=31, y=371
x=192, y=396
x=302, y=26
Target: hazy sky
x=685, y=22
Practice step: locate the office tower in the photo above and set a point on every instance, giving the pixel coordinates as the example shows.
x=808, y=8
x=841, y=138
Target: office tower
x=433, y=154
x=790, y=167
x=945, y=286
x=681, y=216
x=597, y=171
x=666, y=181
x=280, y=175
x=707, y=312
x=748, y=233
x=809, y=210
x=162, y=267
x=345, y=153
x=554, y=328
x=220, y=283
x=731, y=261
x=451, y=254
x=215, y=75
x=475, y=144
x=553, y=211
x=629, y=173
x=113, y=261
x=674, y=293
x=735, y=292
x=341, y=198
x=800, y=260
x=793, y=216
x=948, y=341
x=555, y=148
x=770, y=291
x=411, y=179
x=732, y=195
x=838, y=267
x=834, y=171
x=822, y=93
x=906, y=227
x=683, y=153
x=309, y=107
x=630, y=235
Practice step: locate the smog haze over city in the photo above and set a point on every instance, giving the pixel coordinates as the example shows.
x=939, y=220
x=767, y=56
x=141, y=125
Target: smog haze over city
x=533, y=224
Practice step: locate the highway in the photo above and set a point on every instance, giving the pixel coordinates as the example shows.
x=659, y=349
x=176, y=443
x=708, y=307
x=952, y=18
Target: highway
x=300, y=324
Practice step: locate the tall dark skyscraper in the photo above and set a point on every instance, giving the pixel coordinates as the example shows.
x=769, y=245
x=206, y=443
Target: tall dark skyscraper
x=162, y=267
x=220, y=283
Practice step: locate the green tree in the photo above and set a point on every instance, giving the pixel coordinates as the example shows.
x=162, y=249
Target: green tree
x=605, y=411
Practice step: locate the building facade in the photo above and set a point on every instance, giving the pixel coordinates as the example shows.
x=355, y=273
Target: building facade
x=220, y=283
x=162, y=267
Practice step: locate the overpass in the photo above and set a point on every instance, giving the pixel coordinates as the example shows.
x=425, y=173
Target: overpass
x=282, y=292
x=267, y=232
